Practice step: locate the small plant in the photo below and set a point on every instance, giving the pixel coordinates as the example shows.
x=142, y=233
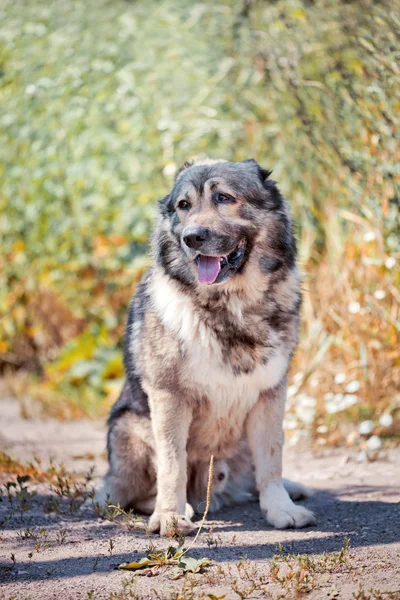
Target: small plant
x=216, y=575
x=23, y=495
x=27, y=534
x=42, y=540
x=127, y=591
x=10, y=486
x=297, y=574
x=124, y=518
x=213, y=541
x=293, y=579
x=64, y=484
x=67, y=486
x=61, y=536
x=18, y=491
x=249, y=580
x=374, y=594
x=327, y=562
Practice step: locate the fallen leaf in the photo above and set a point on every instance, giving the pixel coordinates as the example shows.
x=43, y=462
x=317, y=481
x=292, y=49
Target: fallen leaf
x=188, y=564
x=133, y=566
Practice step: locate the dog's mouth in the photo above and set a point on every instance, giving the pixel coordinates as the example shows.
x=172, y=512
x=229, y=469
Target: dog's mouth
x=215, y=269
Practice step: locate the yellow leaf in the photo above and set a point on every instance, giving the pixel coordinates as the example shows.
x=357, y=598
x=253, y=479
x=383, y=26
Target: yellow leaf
x=133, y=566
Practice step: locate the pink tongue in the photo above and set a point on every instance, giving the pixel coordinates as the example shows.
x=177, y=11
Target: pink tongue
x=208, y=268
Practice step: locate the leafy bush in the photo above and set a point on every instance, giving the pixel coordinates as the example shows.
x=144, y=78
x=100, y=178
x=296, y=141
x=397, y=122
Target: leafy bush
x=102, y=100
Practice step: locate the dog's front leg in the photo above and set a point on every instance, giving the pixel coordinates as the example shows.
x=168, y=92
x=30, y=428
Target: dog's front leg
x=170, y=421
x=265, y=435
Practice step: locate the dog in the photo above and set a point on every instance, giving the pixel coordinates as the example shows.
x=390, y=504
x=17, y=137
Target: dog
x=210, y=335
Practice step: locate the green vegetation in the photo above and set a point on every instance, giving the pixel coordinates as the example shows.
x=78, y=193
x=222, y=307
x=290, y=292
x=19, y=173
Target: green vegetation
x=100, y=101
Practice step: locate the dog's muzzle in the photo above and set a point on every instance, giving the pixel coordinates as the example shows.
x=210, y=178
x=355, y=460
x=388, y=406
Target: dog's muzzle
x=213, y=267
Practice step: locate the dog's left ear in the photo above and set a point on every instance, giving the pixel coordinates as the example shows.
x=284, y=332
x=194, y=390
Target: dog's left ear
x=262, y=173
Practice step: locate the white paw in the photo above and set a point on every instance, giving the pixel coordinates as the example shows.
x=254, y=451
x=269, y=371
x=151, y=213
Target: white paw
x=279, y=509
x=169, y=523
x=290, y=516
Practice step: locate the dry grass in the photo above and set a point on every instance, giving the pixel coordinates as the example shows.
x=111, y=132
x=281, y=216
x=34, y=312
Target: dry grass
x=346, y=369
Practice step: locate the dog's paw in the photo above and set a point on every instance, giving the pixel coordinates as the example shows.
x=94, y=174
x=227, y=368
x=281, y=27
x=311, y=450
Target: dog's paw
x=280, y=510
x=290, y=516
x=169, y=524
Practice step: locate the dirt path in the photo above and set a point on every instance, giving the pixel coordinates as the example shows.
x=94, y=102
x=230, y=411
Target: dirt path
x=64, y=554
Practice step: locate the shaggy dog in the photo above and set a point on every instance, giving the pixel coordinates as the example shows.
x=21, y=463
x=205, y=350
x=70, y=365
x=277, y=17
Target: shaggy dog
x=210, y=335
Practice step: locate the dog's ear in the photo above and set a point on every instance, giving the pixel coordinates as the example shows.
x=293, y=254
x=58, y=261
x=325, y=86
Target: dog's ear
x=186, y=165
x=263, y=174
x=271, y=198
x=164, y=205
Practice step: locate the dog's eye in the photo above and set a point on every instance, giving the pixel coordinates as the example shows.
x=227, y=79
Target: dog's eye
x=221, y=198
x=184, y=205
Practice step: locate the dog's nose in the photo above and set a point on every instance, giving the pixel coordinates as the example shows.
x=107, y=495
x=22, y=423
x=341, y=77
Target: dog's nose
x=194, y=238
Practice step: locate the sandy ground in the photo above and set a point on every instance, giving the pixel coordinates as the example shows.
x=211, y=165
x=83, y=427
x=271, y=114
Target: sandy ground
x=352, y=500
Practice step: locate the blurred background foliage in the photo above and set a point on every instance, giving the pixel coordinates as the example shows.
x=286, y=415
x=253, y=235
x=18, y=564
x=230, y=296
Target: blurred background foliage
x=100, y=102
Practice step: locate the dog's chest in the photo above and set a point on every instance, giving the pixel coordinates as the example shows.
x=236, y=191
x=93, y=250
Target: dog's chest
x=226, y=399
x=221, y=366
x=223, y=374
x=214, y=376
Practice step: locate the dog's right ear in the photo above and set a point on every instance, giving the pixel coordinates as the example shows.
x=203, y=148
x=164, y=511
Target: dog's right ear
x=164, y=205
x=186, y=165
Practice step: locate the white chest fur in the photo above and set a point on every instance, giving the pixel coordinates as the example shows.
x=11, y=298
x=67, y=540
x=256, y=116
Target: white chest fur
x=204, y=366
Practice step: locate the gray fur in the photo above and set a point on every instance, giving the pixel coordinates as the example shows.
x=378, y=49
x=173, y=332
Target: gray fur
x=187, y=345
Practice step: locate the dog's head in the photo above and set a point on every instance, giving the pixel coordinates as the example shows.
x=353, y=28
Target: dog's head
x=215, y=215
